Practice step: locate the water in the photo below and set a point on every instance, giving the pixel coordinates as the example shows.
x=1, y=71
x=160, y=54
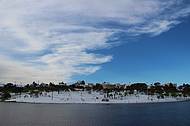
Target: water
x=161, y=114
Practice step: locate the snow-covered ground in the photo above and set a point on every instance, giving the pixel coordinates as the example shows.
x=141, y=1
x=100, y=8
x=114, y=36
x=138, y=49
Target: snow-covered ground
x=86, y=97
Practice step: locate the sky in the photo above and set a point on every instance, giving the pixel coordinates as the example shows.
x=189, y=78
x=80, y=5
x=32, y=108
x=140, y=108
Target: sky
x=102, y=40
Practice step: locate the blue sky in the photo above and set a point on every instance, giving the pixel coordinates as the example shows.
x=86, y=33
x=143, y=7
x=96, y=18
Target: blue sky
x=163, y=58
x=102, y=40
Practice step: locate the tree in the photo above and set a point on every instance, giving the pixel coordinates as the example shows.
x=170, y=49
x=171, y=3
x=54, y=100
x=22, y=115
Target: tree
x=170, y=88
x=140, y=87
x=158, y=88
x=5, y=95
x=186, y=89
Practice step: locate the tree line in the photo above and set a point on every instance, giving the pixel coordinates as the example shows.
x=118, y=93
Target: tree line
x=169, y=89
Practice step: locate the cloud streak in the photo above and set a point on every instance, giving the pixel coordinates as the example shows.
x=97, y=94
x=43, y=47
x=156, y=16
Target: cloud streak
x=51, y=40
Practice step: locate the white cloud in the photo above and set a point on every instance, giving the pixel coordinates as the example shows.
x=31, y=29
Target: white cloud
x=50, y=40
x=154, y=28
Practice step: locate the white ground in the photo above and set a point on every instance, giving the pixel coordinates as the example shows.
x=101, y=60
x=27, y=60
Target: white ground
x=86, y=97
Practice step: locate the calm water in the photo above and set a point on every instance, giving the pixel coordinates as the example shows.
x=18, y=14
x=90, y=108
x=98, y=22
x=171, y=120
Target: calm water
x=161, y=114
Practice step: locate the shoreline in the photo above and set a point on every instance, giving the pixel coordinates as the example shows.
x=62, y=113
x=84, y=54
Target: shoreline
x=102, y=103
x=94, y=98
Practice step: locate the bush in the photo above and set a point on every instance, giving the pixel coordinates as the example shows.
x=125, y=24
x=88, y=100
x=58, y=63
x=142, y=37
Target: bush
x=174, y=94
x=5, y=96
x=162, y=96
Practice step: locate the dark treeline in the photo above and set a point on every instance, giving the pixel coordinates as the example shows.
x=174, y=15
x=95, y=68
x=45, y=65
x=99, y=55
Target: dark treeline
x=162, y=90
